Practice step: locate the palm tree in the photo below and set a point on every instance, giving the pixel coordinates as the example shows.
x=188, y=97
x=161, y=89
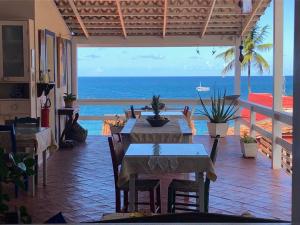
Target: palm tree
x=253, y=45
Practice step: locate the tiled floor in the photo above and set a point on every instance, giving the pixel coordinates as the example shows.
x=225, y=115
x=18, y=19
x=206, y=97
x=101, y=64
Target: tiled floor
x=80, y=184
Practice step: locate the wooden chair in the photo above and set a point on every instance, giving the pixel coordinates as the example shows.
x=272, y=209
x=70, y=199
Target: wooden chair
x=8, y=143
x=142, y=185
x=27, y=122
x=181, y=187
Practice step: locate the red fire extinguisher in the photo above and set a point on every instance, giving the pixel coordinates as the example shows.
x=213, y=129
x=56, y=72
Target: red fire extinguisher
x=45, y=113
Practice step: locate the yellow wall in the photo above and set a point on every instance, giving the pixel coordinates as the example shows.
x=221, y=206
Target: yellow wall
x=16, y=9
x=45, y=15
x=48, y=17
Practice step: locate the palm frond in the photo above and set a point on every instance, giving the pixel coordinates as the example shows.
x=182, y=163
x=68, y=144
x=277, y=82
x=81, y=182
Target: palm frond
x=261, y=63
x=264, y=47
x=227, y=56
x=260, y=36
x=228, y=67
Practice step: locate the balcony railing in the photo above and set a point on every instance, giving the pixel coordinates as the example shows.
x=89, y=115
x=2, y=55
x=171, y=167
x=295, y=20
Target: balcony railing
x=266, y=135
x=267, y=140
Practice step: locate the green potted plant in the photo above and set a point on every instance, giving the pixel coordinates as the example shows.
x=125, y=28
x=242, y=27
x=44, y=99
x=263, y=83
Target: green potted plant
x=13, y=169
x=157, y=120
x=69, y=99
x=219, y=112
x=248, y=146
x=117, y=125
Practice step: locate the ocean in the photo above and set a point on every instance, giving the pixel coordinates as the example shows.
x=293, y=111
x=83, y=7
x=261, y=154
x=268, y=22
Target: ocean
x=166, y=87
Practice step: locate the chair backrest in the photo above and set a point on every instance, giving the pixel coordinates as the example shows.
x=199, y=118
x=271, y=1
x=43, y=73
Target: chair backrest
x=186, y=110
x=117, y=154
x=132, y=112
x=214, y=150
x=213, y=157
x=8, y=138
x=27, y=122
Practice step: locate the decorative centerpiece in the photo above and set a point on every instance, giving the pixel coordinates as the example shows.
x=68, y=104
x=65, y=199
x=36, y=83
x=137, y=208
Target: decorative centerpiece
x=219, y=113
x=157, y=120
x=117, y=125
x=248, y=146
x=69, y=99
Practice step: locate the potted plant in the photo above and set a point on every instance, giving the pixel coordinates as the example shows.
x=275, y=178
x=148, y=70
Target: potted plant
x=117, y=125
x=69, y=99
x=157, y=120
x=219, y=113
x=13, y=169
x=248, y=146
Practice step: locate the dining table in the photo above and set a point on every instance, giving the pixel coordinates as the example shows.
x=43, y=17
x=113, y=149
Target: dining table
x=140, y=131
x=37, y=141
x=171, y=115
x=157, y=159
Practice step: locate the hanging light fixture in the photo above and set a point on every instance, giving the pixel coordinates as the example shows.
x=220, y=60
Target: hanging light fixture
x=241, y=5
x=241, y=57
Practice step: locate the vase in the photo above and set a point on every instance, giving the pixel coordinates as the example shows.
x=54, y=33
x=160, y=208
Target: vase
x=215, y=129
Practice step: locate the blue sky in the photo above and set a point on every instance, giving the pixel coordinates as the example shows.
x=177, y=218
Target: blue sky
x=180, y=61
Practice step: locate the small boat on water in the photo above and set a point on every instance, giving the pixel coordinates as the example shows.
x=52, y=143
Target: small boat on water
x=202, y=88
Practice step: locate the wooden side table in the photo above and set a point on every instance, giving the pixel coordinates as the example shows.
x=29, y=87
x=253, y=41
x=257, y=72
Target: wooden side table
x=69, y=113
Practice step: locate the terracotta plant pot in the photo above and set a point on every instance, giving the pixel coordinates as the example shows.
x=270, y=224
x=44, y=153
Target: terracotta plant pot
x=215, y=129
x=157, y=122
x=69, y=104
x=249, y=150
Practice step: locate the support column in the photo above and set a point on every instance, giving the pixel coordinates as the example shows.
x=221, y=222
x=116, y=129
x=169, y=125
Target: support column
x=74, y=69
x=296, y=120
x=237, y=81
x=277, y=79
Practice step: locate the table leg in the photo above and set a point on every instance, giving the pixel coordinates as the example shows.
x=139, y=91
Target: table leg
x=132, y=193
x=59, y=130
x=45, y=167
x=31, y=180
x=200, y=200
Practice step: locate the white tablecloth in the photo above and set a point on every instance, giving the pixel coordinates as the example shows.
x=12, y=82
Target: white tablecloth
x=42, y=137
x=140, y=131
x=158, y=163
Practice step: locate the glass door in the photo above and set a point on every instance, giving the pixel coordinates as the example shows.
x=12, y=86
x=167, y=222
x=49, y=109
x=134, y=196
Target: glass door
x=14, y=48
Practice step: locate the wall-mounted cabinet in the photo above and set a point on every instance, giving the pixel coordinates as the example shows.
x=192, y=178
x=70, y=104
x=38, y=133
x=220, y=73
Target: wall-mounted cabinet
x=14, y=51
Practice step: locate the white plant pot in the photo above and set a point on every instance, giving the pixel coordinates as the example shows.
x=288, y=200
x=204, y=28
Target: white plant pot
x=249, y=150
x=215, y=129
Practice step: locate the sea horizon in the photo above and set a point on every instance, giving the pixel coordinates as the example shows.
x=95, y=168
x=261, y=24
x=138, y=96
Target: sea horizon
x=167, y=87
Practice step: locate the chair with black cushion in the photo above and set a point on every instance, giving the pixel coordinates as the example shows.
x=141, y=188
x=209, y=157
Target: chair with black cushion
x=27, y=122
x=142, y=185
x=8, y=143
x=132, y=112
x=182, y=188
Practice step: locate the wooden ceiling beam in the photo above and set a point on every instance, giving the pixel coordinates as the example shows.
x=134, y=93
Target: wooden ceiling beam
x=250, y=18
x=121, y=18
x=94, y=21
x=227, y=6
x=160, y=15
x=73, y=6
x=208, y=18
x=165, y=17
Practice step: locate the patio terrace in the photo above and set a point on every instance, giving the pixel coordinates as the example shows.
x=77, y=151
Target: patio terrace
x=80, y=184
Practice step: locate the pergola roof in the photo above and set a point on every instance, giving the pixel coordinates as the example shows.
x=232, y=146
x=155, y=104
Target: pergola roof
x=159, y=17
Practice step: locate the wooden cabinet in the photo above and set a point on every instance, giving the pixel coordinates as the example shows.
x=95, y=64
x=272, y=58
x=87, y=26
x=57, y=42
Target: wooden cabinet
x=17, y=73
x=14, y=51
